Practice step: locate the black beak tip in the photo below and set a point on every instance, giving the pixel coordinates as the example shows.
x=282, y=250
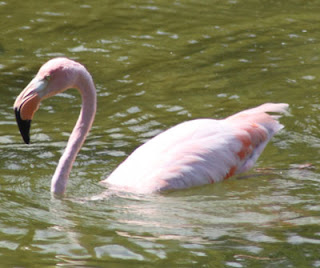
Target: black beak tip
x=24, y=126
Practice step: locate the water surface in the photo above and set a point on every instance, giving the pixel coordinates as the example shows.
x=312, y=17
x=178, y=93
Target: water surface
x=155, y=64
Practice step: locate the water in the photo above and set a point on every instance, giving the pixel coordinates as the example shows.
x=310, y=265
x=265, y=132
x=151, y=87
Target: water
x=155, y=64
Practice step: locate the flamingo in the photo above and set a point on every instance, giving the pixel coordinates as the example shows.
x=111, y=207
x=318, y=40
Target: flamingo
x=192, y=153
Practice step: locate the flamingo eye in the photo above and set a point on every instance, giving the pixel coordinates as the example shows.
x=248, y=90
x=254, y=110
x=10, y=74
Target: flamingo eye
x=47, y=77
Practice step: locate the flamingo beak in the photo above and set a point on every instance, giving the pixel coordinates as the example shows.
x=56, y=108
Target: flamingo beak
x=24, y=126
x=26, y=104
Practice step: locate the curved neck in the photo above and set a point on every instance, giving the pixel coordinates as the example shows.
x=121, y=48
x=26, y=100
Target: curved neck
x=87, y=90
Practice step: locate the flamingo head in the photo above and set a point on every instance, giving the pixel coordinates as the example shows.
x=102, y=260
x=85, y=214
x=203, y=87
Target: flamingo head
x=54, y=76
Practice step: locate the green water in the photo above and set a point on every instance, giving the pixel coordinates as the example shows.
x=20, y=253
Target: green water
x=155, y=64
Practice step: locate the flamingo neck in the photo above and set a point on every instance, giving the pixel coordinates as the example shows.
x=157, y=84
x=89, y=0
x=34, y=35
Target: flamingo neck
x=85, y=85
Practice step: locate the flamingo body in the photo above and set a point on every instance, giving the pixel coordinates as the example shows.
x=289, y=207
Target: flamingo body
x=197, y=152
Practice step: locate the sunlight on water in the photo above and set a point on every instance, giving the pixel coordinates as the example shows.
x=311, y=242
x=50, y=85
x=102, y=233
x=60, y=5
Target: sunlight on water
x=155, y=64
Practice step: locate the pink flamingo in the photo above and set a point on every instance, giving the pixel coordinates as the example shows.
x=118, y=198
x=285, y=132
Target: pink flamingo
x=193, y=153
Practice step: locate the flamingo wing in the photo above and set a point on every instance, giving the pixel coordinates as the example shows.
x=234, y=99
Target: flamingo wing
x=198, y=152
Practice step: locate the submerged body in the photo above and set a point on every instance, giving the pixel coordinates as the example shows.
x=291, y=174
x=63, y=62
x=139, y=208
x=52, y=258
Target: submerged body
x=193, y=153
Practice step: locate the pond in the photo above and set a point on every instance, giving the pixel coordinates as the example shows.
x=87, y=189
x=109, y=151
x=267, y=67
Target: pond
x=156, y=64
